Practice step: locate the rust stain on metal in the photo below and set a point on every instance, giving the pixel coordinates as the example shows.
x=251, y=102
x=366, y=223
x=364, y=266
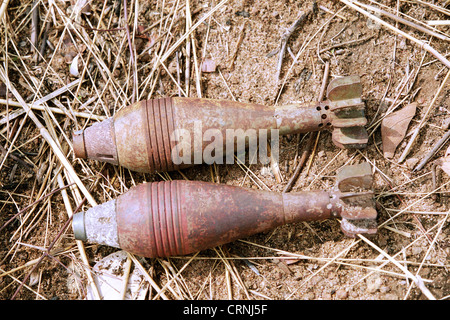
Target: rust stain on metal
x=169, y=218
x=356, y=200
x=142, y=136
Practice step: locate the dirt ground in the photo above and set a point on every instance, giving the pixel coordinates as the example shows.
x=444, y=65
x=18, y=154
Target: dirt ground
x=311, y=260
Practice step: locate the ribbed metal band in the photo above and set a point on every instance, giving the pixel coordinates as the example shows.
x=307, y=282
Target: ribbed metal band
x=163, y=219
x=160, y=126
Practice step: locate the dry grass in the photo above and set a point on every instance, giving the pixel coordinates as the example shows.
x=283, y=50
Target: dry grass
x=156, y=48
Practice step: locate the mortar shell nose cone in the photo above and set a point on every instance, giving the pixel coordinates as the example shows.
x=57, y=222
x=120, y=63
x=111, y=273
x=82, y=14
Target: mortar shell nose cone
x=78, y=227
x=79, y=147
x=97, y=142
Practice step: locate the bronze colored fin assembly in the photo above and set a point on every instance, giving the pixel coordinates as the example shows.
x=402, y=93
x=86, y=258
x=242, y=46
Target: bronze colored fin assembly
x=347, y=112
x=356, y=200
x=142, y=137
x=170, y=218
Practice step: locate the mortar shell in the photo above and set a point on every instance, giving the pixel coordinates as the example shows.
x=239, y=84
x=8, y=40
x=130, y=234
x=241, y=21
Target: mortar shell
x=180, y=217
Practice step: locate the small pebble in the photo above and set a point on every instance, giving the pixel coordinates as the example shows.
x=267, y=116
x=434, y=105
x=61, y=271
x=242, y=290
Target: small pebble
x=243, y=13
x=373, y=283
x=416, y=250
x=326, y=296
x=342, y=294
x=315, y=280
x=33, y=279
x=411, y=163
x=390, y=296
x=385, y=289
x=309, y=296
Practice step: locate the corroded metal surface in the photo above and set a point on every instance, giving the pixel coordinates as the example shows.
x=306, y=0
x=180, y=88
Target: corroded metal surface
x=354, y=177
x=347, y=110
x=97, y=142
x=144, y=136
x=130, y=124
x=356, y=201
x=198, y=116
x=180, y=217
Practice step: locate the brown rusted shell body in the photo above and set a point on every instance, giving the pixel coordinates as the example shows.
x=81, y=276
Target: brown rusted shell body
x=143, y=136
x=180, y=217
x=146, y=136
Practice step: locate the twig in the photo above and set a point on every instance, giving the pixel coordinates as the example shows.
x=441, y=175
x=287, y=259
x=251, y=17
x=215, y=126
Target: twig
x=301, y=163
x=435, y=149
x=185, y=36
x=238, y=44
x=177, y=57
x=312, y=138
x=421, y=43
x=422, y=121
x=323, y=87
x=343, y=44
x=44, y=42
x=301, y=50
x=285, y=37
x=438, y=22
x=47, y=253
x=313, y=152
x=130, y=46
x=229, y=290
x=79, y=243
x=275, y=166
x=402, y=21
x=416, y=279
x=42, y=108
x=187, y=69
x=126, y=277
x=27, y=166
x=147, y=276
x=45, y=134
x=3, y=8
x=331, y=12
x=196, y=67
x=32, y=204
x=34, y=25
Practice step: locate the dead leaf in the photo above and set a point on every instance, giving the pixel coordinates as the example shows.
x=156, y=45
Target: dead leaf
x=34, y=279
x=283, y=266
x=109, y=276
x=394, y=127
